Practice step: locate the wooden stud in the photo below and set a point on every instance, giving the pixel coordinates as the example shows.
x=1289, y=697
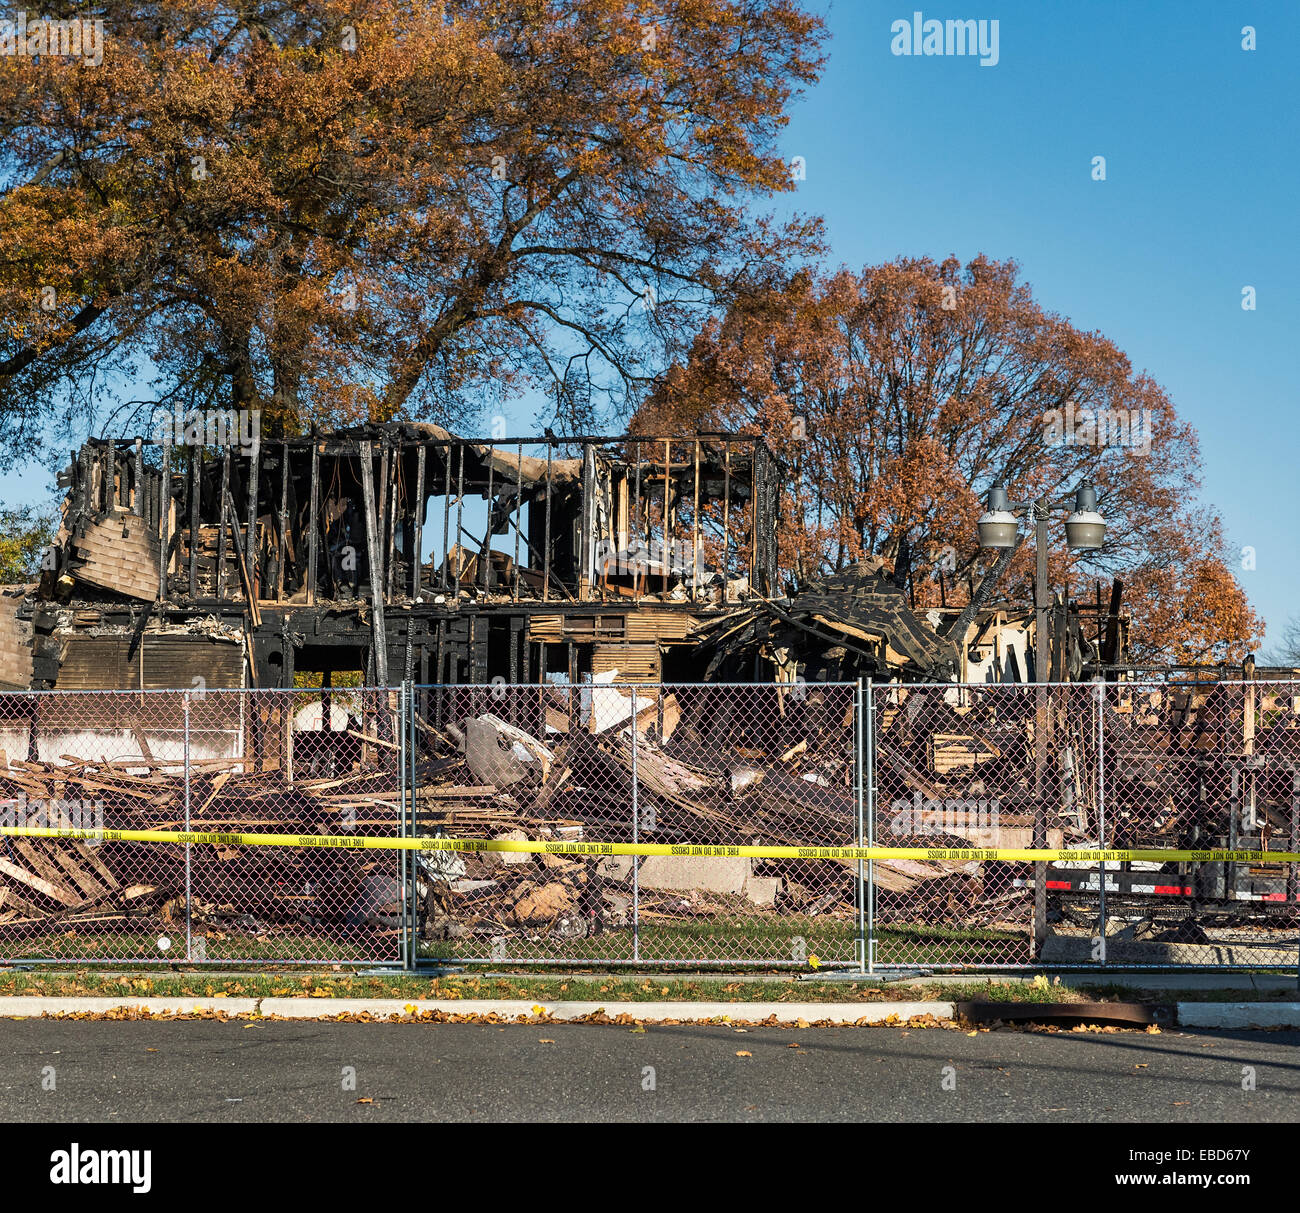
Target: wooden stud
x=282, y=522
x=164, y=519
x=196, y=477
x=313, y=525
x=518, y=510
x=546, y=543
x=380, y=645
x=139, y=478
x=695, y=528
x=419, y=524
x=251, y=545
x=221, y=529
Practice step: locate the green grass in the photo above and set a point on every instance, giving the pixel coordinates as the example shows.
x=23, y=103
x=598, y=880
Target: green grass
x=141, y=947
x=583, y=988
x=548, y=989
x=928, y=945
x=709, y=941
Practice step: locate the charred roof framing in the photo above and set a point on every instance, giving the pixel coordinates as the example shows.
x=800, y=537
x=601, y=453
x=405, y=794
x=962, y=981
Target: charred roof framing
x=406, y=551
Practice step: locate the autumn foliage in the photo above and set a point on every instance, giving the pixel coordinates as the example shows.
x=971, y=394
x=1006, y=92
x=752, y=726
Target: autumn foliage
x=346, y=209
x=898, y=395
x=337, y=210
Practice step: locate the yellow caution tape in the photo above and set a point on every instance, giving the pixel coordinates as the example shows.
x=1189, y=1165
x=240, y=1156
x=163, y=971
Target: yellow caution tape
x=703, y=851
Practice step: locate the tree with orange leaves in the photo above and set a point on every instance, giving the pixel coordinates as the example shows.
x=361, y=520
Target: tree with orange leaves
x=338, y=210
x=897, y=396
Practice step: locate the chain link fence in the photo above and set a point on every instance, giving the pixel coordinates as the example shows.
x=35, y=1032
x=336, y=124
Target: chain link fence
x=604, y=762
x=270, y=761
x=1160, y=765
x=1141, y=766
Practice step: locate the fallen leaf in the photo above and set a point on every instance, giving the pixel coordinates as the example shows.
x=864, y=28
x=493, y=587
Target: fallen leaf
x=743, y=1053
x=365, y=1100
x=974, y=1033
x=1141, y=1065
x=544, y=1041
x=794, y=1044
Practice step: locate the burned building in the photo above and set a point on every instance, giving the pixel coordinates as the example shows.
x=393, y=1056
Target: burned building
x=397, y=551
x=387, y=553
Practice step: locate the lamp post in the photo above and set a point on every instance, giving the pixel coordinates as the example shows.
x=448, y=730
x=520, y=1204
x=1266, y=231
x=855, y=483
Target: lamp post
x=1085, y=530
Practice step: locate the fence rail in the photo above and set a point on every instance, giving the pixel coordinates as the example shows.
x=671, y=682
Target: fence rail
x=1151, y=766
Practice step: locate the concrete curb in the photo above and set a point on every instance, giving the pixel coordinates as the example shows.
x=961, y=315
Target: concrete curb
x=1239, y=1014
x=1228, y=1015
x=30, y=1006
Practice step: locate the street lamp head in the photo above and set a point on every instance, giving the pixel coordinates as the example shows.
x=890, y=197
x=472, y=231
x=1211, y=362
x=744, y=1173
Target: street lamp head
x=1085, y=529
x=997, y=525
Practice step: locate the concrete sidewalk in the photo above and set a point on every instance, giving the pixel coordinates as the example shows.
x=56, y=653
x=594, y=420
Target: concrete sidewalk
x=1186, y=1014
x=28, y=1006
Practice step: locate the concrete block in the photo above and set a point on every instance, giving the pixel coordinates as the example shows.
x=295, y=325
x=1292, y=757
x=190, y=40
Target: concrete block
x=763, y=890
x=681, y=872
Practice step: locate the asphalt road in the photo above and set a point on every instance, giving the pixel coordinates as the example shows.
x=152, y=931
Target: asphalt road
x=283, y=1071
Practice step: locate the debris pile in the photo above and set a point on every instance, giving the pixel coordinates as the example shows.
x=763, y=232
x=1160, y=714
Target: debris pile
x=102, y=887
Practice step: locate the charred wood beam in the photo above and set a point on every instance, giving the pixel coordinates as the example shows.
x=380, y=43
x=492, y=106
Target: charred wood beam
x=380, y=645
x=379, y=572
x=460, y=506
x=519, y=508
x=139, y=478
x=1110, y=652
x=282, y=523
x=396, y=490
x=546, y=542
x=313, y=524
x=138, y=631
x=245, y=576
x=254, y=470
x=196, y=477
x=484, y=556
x=164, y=521
x=221, y=530
x=984, y=591
x=418, y=541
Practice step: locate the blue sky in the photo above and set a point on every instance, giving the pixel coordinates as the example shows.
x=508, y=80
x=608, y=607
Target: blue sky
x=937, y=155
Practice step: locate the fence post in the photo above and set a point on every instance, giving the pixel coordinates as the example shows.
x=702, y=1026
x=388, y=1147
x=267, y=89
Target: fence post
x=859, y=832
x=412, y=857
x=867, y=807
x=406, y=875
x=189, y=889
x=636, y=837
x=1101, y=813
